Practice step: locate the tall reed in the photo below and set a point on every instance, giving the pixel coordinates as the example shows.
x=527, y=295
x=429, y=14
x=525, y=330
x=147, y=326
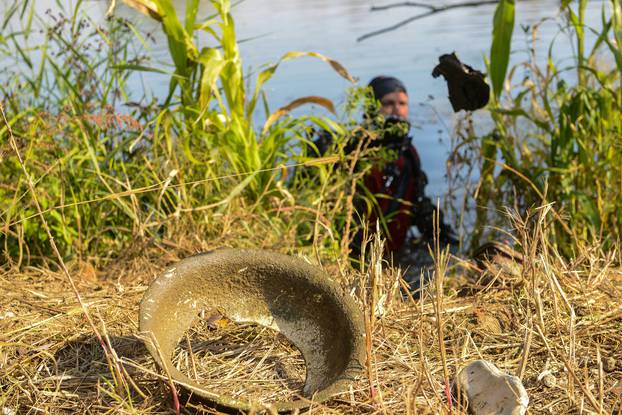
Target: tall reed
x=557, y=131
x=112, y=167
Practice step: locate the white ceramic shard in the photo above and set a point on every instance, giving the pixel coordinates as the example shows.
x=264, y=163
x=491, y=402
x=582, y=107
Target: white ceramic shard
x=490, y=391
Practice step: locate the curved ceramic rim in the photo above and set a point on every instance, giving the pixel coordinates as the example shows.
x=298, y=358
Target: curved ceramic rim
x=164, y=310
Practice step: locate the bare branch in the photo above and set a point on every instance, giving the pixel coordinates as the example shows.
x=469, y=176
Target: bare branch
x=403, y=4
x=395, y=26
x=432, y=10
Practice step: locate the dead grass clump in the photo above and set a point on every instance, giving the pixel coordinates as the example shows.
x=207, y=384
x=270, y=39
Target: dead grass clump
x=246, y=360
x=555, y=323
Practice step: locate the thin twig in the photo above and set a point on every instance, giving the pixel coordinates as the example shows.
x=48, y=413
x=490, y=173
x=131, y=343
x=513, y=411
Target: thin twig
x=154, y=341
x=345, y=242
x=525, y=356
x=403, y=4
x=431, y=6
x=432, y=10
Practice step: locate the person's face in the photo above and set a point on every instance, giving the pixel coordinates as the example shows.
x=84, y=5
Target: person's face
x=395, y=103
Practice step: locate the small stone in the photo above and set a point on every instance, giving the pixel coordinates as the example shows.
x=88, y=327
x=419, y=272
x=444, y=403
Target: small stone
x=549, y=381
x=7, y=315
x=609, y=364
x=488, y=323
x=489, y=391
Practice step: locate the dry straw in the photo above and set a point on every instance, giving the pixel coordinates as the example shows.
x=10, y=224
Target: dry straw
x=555, y=323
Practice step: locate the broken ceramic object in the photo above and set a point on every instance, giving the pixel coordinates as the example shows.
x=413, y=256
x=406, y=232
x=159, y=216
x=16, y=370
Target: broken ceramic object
x=489, y=391
x=284, y=293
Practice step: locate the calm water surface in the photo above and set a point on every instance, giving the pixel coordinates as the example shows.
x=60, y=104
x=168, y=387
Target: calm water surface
x=332, y=27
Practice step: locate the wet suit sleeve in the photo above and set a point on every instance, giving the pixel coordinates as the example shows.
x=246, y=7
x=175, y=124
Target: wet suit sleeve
x=320, y=145
x=316, y=148
x=423, y=213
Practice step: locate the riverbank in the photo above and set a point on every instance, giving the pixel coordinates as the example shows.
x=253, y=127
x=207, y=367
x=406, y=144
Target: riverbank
x=99, y=194
x=556, y=324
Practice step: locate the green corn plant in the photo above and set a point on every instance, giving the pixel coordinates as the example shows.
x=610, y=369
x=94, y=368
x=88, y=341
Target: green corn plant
x=503, y=28
x=556, y=138
x=218, y=111
x=103, y=185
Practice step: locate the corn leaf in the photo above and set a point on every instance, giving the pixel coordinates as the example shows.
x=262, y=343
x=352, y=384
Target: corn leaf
x=266, y=74
x=146, y=7
x=503, y=26
x=323, y=102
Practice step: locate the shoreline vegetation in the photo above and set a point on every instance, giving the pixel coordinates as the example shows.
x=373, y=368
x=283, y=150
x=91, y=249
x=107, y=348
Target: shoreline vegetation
x=96, y=201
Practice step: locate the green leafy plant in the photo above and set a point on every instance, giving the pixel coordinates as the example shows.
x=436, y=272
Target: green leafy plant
x=556, y=137
x=108, y=175
x=218, y=110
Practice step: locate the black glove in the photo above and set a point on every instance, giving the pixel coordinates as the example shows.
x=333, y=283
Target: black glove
x=447, y=235
x=467, y=88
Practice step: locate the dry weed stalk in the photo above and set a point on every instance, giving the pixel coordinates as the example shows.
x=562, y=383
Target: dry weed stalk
x=113, y=363
x=441, y=261
x=526, y=324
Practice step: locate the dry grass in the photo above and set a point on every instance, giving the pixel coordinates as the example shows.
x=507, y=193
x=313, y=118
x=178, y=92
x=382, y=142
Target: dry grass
x=557, y=324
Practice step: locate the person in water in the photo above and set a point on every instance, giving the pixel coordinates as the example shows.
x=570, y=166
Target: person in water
x=399, y=183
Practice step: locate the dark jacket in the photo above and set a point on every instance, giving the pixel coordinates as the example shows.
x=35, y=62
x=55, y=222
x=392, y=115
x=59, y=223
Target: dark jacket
x=399, y=190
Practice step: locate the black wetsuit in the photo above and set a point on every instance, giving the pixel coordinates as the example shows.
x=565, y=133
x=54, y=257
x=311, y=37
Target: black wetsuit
x=399, y=188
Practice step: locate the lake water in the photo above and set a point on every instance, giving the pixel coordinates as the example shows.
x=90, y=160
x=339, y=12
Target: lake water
x=332, y=28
